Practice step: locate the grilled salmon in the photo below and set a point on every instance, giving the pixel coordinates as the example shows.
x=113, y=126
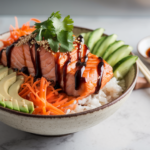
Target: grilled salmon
x=78, y=73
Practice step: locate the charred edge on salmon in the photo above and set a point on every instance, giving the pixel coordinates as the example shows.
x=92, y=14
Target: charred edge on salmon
x=8, y=53
x=31, y=54
x=65, y=70
x=100, y=69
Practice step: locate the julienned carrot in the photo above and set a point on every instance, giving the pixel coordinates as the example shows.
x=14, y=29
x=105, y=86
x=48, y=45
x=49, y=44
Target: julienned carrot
x=35, y=20
x=23, y=91
x=50, y=106
x=46, y=99
x=16, y=21
x=56, y=104
x=68, y=103
x=30, y=88
x=16, y=32
x=26, y=93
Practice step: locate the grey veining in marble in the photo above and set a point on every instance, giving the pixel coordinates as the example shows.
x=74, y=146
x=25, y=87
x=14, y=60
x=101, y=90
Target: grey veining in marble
x=127, y=129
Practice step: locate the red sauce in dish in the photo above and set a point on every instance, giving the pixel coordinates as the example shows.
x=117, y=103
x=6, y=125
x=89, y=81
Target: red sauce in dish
x=148, y=52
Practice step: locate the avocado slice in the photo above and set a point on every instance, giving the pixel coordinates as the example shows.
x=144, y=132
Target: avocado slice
x=3, y=72
x=24, y=105
x=2, y=102
x=1, y=66
x=10, y=71
x=4, y=85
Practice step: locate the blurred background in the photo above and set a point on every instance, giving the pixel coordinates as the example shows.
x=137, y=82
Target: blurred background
x=76, y=7
x=126, y=18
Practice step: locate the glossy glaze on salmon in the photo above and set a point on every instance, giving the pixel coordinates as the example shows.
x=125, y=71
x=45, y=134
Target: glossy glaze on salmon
x=76, y=72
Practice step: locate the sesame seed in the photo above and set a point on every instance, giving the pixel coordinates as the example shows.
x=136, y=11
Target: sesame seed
x=24, y=105
x=21, y=78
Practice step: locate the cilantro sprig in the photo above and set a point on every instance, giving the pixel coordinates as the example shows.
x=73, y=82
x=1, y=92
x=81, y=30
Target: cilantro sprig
x=58, y=33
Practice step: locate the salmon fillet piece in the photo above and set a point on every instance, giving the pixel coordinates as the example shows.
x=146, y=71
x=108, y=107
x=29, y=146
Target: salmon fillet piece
x=91, y=75
x=24, y=55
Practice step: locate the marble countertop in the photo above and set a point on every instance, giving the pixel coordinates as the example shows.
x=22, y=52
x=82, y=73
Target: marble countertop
x=127, y=129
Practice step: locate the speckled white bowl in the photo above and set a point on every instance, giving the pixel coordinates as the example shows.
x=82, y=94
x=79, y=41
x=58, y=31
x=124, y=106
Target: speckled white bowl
x=66, y=124
x=142, y=47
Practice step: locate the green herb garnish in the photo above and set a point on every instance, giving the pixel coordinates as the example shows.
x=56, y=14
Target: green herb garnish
x=58, y=33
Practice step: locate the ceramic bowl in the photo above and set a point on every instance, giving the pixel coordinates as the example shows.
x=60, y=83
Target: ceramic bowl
x=142, y=47
x=70, y=123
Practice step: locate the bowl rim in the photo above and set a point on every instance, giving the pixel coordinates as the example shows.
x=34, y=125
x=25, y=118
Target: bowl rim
x=147, y=58
x=79, y=113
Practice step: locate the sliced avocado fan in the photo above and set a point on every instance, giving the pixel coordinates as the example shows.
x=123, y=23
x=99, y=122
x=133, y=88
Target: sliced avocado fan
x=4, y=86
x=9, y=88
x=24, y=105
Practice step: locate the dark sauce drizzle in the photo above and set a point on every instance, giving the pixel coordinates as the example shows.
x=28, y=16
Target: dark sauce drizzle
x=148, y=52
x=1, y=53
x=57, y=71
x=25, y=70
x=80, y=65
x=37, y=63
x=65, y=69
x=100, y=69
x=16, y=69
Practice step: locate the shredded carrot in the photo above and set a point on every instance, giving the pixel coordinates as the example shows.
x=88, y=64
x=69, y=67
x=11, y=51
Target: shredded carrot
x=16, y=20
x=35, y=20
x=25, y=93
x=68, y=103
x=46, y=99
x=16, y=32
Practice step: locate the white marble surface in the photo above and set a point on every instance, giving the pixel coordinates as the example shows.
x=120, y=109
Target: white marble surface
x=127, y=129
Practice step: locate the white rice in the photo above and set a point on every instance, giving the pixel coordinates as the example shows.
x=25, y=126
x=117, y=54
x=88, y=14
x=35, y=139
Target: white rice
x=112, y=90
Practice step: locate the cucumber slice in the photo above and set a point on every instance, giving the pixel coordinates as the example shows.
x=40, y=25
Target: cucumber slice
x=109, y=40
x=118, y=54
x=83, y=35
x=111, y=48
x=94, y=37
x=97, y=45
x=123, y=66
x=86, y=38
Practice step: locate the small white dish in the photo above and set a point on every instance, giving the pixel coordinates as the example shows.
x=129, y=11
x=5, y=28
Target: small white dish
x=142, y=47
